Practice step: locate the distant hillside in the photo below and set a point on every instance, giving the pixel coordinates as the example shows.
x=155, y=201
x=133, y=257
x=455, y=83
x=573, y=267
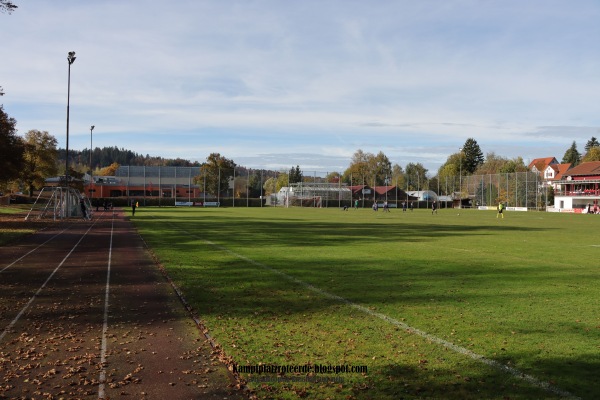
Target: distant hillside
x=103, y=157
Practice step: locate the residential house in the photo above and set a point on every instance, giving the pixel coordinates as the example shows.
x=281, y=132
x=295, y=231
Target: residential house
x=540, y=165
x=554, y=173
x=579, y=189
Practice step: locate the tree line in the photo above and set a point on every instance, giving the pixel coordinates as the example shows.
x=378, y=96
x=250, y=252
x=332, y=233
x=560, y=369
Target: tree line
x=25, y=163
x=574, y=157
x=105, y=156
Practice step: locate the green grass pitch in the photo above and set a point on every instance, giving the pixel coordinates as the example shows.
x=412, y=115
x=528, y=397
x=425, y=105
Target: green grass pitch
x=434, y=306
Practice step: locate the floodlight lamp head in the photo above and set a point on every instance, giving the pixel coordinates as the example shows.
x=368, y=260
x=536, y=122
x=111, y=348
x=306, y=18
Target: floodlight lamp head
x=71, y=57
x=92, y=128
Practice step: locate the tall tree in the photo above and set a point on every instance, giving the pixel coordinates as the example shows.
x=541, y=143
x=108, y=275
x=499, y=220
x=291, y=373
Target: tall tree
x=593, y=142
x=398, y=177
x=368, y=169
x=254, y=182
x=111, y=170
x=40, y=159
x=473, y=157
x=283, y=180
x=434, y=184
x=216, y=172
x=514, y=165
x=380, y=169
x=358, y=171
x=448, y=173
x=572, y=156
x=448, y=177
x=11, y=148
x=240, y=186
x=492, y=164
x=270, y=186
x=416, y=175
x=495, y=164
x=295, y=175
x=592, y=155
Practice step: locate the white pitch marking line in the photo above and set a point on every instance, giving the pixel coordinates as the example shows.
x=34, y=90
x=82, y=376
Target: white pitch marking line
x=102, y=379
x=31, y=251
x=14, y=321
x=478, y=357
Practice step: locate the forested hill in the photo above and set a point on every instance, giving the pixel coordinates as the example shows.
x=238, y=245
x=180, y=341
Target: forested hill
x=103, y=157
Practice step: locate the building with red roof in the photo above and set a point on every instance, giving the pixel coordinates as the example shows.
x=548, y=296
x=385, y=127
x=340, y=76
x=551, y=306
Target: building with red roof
x=540, y=165
x=578, y=189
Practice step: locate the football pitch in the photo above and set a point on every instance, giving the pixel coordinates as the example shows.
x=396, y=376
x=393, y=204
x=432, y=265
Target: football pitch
x=325, y=303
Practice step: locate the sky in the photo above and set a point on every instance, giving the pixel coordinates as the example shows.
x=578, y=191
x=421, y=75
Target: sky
x=272, y=84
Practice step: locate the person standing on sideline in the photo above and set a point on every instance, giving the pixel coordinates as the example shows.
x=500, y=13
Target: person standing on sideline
x=500, y=209
x=434, y=207
x=356, y=204
x=83, y=208
x=133, y=205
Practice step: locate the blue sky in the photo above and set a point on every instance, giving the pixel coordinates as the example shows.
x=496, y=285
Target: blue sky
x=275, y=84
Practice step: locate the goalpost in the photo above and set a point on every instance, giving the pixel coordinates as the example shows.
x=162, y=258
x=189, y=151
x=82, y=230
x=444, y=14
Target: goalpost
x=318, y=195
x=314, y=201
x=59, y=203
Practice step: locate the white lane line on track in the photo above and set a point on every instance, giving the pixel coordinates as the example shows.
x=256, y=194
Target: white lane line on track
x=102, y=379
x=31, y=251
x=449, y=345
x=14, y=321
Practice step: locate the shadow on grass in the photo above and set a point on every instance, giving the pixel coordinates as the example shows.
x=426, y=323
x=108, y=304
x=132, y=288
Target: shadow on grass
x=290, y=231
x=424, y=382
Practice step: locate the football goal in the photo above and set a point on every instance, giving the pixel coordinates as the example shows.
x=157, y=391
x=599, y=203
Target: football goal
x=58, y=203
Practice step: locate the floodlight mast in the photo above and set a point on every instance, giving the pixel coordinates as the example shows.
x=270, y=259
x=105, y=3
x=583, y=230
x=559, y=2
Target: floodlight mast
x=91, y=167
x=460, y=179
x=71, y=59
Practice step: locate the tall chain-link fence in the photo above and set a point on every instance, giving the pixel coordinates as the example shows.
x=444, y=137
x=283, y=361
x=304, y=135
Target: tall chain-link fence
x=254, y=187
x=520, y=189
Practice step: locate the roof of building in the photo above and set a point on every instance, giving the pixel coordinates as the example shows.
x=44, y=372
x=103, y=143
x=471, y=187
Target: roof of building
x=560, y=170
x=357, y=188
x=541, y=164
x=586, y=168
x=383, y=189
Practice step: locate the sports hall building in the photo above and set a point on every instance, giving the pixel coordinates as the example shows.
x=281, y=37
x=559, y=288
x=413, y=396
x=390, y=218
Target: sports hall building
x=159, y=182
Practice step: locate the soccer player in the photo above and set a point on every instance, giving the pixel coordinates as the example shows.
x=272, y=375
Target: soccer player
x=500, y=209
